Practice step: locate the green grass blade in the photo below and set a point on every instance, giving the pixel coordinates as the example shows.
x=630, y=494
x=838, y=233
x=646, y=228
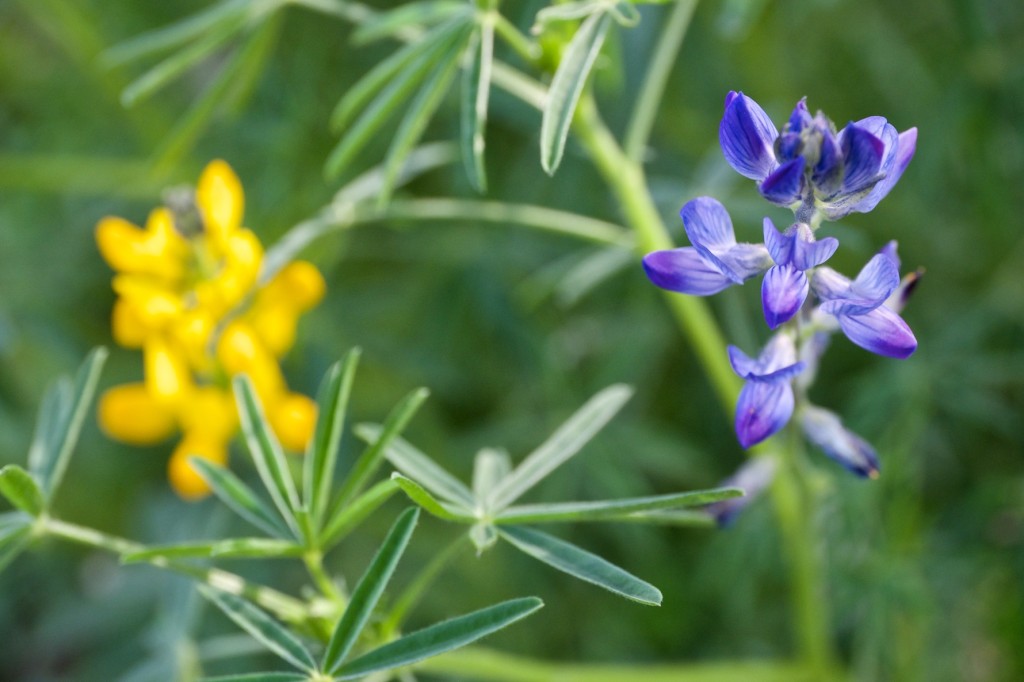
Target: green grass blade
x=420, y=468
x=567, y=86
x=476, y=88
x=70, y=408
x=266, y=452
x=416, y=14
x=350, y=515
x=322, y=453
x=21, y=489
x=431, y=504
x=369, y=590
x=565, y=442
x=234, y=548
x=581, y=564
x=13, y=543
x=265, y=629
x=399, y=87
x=437, y=639
x=239, y=497
x=611, y=510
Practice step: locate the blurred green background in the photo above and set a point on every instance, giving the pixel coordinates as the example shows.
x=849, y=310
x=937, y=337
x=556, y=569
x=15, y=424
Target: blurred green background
x=512, y=330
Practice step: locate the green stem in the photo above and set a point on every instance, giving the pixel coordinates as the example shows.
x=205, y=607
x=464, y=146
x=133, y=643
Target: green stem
x=649, y=100
x=523, y=46
x=314, y=560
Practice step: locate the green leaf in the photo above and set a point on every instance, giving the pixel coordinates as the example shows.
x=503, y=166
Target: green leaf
x=238, y=496
x=63, y=412
x=412, y=15
x=258, y=677
x=625, y=14
x=440, y=638
x=13, y=541
x=565, y=442
x=476, y=87
x=581, y=564
x=490, y=466
x=671, y=517
x=322, y=453
x=570, y=11
x=420, y=468
x=430, y=503
x=266, y=452
x=348, y=516
x=369, y=590
x=416, y=118
x=21, y=489
x=233, y=548
x=483, y=536
x=265, y=629
x=611, y=510
x=567, y=86
x=399, y=86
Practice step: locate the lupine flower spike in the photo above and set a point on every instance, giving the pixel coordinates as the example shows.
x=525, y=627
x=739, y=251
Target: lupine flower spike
x=189, y=298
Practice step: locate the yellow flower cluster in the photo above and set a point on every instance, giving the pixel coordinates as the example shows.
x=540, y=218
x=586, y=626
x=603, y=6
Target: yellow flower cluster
x=189, y=297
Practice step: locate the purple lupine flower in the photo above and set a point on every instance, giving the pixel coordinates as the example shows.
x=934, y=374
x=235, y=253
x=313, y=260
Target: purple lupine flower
x=766, y=401
x=714, y=262
x=859, y=306
x=824, y=429
x=753, y=477
x=810, y=166
x=785, y=285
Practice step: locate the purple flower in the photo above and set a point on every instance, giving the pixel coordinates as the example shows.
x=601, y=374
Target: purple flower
x=785, y=285
x=754, y=476
x=824, y=429
x=811, y=165
x=859, y=306
x=766, y=401
x=714, y=262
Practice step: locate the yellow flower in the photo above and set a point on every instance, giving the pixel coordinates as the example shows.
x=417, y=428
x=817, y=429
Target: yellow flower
x=189, y=298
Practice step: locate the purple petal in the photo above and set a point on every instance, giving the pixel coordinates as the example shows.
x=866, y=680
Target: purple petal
x=778, y=353
x=753, y=477
x=763, y=409
x=880, y=331
x=684, y=271
x=829, y=284
x=905, y=147
x=747, y=137
x=824, y=429
x=862, y=158
x=707, y=223
x=779, y=245
x=783, y=291
x=785, y=185
x=777, y=361
x=800, y=118
x=891, y=251
x=739, y=262
x=827, y=173
x=742, y=364
x=877, y=279
x=809, y=253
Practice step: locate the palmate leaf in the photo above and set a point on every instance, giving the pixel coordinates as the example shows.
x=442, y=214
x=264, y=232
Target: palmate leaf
x=21, y=489
x=369, y=590
x=439, y=638
x=239, y=497
x=265, y=629
x=567, y=86
x=411, y=15
x=611, y=510
x=563, y=444
x=476, y=86
x=581, y=564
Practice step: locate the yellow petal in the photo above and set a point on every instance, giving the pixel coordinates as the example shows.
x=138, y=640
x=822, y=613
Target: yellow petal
x=241, y=351
x=210, y=412
x=220, y=199
x=128, y=413
x=293, y=419
x=167, y=376
x=154, y=304
x=158, y=250
x=185, y=480
x=299, y=283
x=275, y=325
x=193, y=331
x=128, y=327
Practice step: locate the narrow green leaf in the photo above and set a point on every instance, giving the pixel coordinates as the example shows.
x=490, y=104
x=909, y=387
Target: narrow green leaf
x=476, y=87
x=581, y=564
x=567, y=86
x=569, y=11
x=672, y=517
x=13, y=519
x=431, y=504
x=416, y=118
x=178, y=33
x=611, y=510
x=625, y=14
x=69, y=408
x=265, y=629
x=373, y=455
x=348, y=516
x=369, y=590
x=565, y=442
x=21, y=489
x=12, y=543
x=322, y=453
x=412, y=15
x=239, y=497
x=266, y=451
x=397, y=92
x=439, y=638
x=53, y=411
x=258, y=677
x=265, y=548
x=420, y=468
x=490, y=466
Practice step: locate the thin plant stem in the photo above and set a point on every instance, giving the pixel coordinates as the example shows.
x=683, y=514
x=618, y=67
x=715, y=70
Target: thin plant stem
x=314, y=560
x=648, y=101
